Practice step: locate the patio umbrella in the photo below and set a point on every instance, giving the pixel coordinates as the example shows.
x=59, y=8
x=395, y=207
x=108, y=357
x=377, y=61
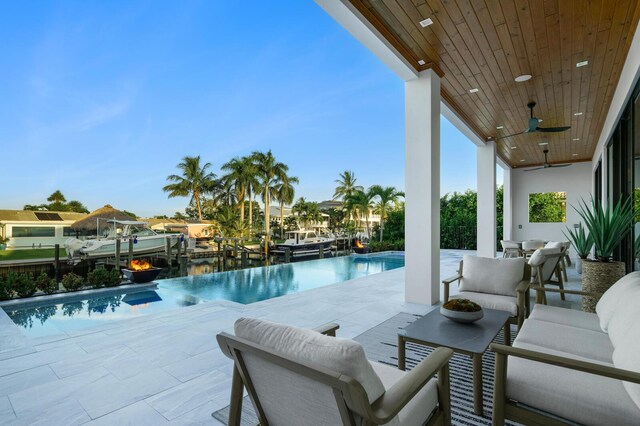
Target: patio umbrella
x=90, y=222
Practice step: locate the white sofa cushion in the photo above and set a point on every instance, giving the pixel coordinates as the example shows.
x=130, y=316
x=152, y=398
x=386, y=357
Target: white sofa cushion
x=490, y=301
x=539, y=257
x=344, y=356
x=608, y=303
x=554, y=244
x=627, y=357
x=581, y=397
x=626, y=313
x=564, y=316
x=419, y=409
x=489, y=275
x=588, y=344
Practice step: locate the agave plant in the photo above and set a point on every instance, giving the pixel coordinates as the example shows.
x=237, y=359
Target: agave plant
x=581, y=241
x=607, y=226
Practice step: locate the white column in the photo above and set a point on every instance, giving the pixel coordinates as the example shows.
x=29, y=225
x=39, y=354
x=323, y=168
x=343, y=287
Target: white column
x=422, y=189
x=507, y=206
x=487, y=200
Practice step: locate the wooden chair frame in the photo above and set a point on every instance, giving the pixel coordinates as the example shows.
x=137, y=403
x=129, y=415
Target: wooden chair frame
x=541, y=296
x=350, y=396
x=522, y=296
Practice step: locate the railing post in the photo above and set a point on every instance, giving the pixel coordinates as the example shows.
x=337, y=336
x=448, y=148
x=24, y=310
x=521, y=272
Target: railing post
x=118, y=242
x=57, y=262
x=130, y=259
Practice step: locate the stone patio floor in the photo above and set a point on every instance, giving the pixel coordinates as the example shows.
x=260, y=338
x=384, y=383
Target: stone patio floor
x=166, y=367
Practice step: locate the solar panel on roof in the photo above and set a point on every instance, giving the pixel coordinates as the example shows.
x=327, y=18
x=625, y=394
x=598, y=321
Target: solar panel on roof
x=47, y=216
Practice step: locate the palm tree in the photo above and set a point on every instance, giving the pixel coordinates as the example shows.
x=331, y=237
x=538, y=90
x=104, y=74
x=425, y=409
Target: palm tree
x=386, y=196
x=360, y=201
x=307, y=211
x=195, y=181
x=240, y=171
x=57, y=197
x=345, y=189
x=284, y=193
x=269, y=172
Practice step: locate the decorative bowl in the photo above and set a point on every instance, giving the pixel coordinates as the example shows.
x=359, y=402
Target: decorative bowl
x=462, y=310
x=144, y=276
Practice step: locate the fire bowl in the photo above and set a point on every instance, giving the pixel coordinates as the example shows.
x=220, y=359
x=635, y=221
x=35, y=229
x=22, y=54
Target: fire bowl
x=361, y=250
x=144, y=276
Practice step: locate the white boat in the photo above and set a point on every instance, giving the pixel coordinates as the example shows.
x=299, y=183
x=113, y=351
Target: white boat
x=300, y=241
x=145, y=240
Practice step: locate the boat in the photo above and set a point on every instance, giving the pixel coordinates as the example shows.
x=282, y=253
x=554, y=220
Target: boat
x=305, y=242
x=145, y=240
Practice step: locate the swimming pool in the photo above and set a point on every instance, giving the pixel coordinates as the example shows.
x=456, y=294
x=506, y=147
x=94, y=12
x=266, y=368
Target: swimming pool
x=241, y=286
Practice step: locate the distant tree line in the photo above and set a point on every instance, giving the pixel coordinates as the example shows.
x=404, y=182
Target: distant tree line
x=58, y=203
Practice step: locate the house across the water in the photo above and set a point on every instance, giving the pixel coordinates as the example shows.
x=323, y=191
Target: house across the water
x=40, y=229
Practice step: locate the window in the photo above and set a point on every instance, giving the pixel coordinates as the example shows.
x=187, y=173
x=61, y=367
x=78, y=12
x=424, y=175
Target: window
x=68, y=232
x=548, y=207
x=33, y=231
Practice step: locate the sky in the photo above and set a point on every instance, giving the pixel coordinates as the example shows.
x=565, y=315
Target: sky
x=101, y=100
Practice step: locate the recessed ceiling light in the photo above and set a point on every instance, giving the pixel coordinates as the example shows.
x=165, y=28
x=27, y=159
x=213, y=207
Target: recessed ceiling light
x=474, y=90
x=489, y=137
x=522, y=161
x=421, y=62
x=576, y=139
x=426, y=22
x=574, y=155
x=540, y=120
x=513, y=147
x=523, y=77
x=577, y=113
x=582, y=64
x=500, y=127
x=543, y=143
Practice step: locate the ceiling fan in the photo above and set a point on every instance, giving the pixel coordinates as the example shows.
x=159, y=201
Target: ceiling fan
x=533, y=125
x=546, y=164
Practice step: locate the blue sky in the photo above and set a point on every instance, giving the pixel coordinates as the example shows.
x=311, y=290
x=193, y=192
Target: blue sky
x=102, y=99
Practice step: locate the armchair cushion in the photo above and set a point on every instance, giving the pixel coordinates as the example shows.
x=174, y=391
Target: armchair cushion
x=490, y=301
x=609, y=303
x=625, y=317
x=340, y=355
x=491, y=276
x=564, y=316
x=417, y=411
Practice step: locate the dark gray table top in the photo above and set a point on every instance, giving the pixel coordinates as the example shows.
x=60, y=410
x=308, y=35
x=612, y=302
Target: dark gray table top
x=434, y=329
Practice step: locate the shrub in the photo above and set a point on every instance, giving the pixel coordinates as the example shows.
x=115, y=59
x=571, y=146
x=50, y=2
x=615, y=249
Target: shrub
x=98, y=277
x=114, y=278
x=375, y=246
x=5, y=290
x=72, y=282
x=24, y=285
x=46, y=284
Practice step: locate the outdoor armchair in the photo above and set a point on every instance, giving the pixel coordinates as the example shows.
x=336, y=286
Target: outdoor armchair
x=501, y=284
x=529, y=246
x=298, y=376
x=510, y=248
x=545, y=264
x=568, y=366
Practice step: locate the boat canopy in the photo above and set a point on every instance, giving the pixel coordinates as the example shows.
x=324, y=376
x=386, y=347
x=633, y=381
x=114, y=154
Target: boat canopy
x=127, y=222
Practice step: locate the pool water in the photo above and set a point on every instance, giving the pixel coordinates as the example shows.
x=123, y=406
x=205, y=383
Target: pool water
x=241, y=286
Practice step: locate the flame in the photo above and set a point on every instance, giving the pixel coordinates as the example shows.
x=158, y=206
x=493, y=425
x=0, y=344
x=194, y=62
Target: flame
x=359, y=244
x=139, y=265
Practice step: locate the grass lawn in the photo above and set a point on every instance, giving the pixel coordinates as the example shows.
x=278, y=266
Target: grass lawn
x=30, y=254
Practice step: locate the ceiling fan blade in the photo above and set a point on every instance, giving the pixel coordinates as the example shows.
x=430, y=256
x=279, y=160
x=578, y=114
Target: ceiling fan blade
x=515, y=134
x=553, y=129
x=559, y=165
x=537, y=168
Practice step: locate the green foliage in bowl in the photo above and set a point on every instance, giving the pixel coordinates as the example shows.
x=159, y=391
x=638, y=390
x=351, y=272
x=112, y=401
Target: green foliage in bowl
x=462, y=305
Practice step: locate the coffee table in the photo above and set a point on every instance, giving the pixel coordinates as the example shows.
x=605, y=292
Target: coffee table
x=470, y=339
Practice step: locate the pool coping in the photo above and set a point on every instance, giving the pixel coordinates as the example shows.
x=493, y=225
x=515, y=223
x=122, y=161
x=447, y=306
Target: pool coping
x=69, y=297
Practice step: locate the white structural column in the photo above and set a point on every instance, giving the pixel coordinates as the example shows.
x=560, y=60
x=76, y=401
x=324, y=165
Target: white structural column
x=487, y=200
x=422, y=189
x=507, y=206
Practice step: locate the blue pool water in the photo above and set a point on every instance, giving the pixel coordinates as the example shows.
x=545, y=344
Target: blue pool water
x=242, y=286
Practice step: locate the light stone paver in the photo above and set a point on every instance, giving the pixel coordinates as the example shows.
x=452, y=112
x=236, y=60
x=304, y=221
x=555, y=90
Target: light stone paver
x=167, y=366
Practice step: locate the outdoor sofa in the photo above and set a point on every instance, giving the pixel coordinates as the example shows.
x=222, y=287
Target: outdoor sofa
x=572, y=366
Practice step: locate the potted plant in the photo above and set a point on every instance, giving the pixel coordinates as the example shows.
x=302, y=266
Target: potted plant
x=582, y=242
x=607, y=227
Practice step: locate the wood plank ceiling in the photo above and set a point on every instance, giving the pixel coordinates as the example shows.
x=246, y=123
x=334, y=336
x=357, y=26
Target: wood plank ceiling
x=485, y=44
